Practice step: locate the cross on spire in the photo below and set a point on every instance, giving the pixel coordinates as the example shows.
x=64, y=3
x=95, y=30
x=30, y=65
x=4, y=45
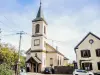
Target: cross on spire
x=40, y=2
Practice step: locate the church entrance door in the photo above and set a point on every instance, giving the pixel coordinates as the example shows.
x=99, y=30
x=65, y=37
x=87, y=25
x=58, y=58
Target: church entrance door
x=33, y=66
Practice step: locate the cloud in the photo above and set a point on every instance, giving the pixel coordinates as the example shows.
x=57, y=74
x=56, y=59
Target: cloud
x=68, y=21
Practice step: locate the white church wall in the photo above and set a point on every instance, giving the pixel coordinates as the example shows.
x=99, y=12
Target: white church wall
x=60, y=57
x=43, y=60
x=41, y=46
x=49, y=49
x=51, y=55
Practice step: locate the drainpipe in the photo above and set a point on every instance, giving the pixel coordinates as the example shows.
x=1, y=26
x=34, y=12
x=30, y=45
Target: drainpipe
x=36, y=68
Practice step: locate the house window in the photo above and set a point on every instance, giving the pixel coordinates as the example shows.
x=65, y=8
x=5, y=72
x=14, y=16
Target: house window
x=51, y=61
x=98, y=63
x=87, y=66
x=37, y=28
x=91, y=41
x=35, y=54
x=36, y=42
x=98, y=52
x=58, y=61
x=44, y=30
x=85, y=53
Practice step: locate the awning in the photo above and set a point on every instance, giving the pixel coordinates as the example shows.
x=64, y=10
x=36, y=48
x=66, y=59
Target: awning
x=36, y=59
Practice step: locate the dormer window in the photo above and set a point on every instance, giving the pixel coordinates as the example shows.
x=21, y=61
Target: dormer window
x=37, y=27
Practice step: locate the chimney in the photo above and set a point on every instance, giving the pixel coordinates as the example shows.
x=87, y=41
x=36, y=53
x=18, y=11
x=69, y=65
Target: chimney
x=56, y=47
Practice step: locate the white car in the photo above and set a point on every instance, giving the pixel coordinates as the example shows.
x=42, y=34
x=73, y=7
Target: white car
x=23, y=72
x=82, y=72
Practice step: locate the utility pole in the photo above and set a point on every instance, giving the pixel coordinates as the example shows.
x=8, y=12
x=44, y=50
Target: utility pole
x=18, y=62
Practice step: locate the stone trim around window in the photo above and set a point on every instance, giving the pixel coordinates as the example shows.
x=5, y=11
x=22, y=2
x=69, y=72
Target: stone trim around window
x=36, y=42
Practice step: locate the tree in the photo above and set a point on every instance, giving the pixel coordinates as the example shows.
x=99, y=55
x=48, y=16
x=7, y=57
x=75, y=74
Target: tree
x=9, y=56
x=4, y=70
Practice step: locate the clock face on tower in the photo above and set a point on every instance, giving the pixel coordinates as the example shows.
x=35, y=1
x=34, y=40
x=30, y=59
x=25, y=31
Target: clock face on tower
x=36, y=42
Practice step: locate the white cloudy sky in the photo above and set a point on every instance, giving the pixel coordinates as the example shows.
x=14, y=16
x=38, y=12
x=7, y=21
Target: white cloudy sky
x=68, y=21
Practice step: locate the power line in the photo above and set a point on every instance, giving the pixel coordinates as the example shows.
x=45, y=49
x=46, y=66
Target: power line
x=8, y=35
x=10, y=21
x=7, y=26
x=0, y=35
x=56, y=40
x=28, y=34
x=0, y=38
x=49, y=39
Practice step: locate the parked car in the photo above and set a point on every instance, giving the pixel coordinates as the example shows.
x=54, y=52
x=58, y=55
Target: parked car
x=48, y=70
x=82, y=72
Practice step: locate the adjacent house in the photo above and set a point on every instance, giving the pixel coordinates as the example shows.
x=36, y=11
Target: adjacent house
x=88, y=53
x=41, y=54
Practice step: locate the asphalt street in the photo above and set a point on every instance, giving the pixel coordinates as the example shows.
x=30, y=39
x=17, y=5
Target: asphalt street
x=45, y=74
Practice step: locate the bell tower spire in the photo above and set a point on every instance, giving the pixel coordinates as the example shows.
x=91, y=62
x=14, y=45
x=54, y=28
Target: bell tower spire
x=40, y=16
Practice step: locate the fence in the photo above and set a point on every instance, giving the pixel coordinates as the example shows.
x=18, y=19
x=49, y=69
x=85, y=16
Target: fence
x=63, y=69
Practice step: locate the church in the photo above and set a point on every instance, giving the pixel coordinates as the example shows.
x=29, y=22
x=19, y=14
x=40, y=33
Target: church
x=41, y=54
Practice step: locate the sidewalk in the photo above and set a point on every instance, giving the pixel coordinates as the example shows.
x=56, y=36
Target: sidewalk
x=45, y=74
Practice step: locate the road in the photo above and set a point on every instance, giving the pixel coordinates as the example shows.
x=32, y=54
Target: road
x=46, y=74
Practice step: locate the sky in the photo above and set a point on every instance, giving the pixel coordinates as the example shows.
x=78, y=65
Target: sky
x=69, y=21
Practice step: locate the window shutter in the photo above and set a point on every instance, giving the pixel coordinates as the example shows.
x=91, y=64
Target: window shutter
x=98, y=65
x=96, y=52
x=81, y=53
x=91, y=68
x=83, y=66
x=89, y=53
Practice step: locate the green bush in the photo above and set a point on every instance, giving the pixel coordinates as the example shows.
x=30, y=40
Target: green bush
x=5, y=70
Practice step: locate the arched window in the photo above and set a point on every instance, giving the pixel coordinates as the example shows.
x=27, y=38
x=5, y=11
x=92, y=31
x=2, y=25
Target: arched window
x=37, y=28
x=44, y=30
x=58, y=60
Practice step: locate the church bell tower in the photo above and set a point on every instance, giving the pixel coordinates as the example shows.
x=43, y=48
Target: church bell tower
x=39, y=31
x=39, y=37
